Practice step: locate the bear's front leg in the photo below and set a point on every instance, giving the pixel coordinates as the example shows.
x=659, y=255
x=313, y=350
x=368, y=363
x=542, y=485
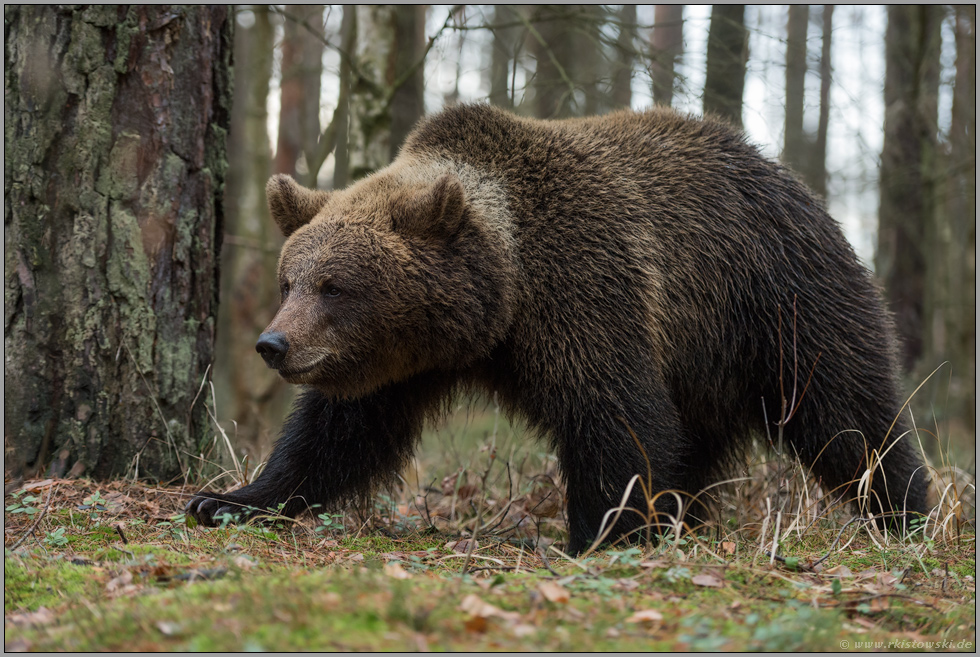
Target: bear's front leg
x=330, y=452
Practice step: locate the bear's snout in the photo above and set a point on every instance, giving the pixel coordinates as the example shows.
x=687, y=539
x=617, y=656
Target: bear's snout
x=273, y=346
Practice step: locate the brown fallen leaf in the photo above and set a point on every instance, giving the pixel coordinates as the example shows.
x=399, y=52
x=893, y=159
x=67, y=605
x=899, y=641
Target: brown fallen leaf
x=728, y=547
x=554, y=592
x=839, y=571
x=34, y=485
x=522, y=630
x=119, y=581
x=476, y=624
x=169, y=629
x=42, y=616
x=708, y=580
x=626, y=584
x=863, y=622
x=243, y=562
x=396, y=571
x=462, y=546
x=475, y=606
x=886, y=579
x=646, y=616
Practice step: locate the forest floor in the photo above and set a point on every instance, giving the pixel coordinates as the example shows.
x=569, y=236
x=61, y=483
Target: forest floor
x=118, y=567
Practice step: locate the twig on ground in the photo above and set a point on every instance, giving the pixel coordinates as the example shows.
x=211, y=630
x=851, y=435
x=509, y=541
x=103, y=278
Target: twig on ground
x=37, y=521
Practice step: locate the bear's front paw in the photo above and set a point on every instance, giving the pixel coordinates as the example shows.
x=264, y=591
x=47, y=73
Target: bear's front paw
x=211, y=509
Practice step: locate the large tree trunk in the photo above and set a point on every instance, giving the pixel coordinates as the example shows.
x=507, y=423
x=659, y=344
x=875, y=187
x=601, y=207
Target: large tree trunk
x=299, y=109
x=728, y=51
x=908, y=199
x=666, y=48
x=115, y=120
x=251, y=398
x=794, y=140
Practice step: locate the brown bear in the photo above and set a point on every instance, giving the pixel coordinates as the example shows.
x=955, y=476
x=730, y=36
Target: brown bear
x=644, y=288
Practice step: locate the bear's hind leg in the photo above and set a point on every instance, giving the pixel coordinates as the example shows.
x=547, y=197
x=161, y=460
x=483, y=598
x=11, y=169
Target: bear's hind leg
x=838, y=441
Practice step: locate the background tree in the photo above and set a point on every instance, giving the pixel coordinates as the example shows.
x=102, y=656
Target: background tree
x=908, y=158
x=406, y=84
x=340, y=124
x=387, y=62
x=666, y=48
x=950, y=295
x=246, y=391
x=794, y=139
x=816, y=171
x=505, y=45
x=553, y=49
x=728, y=51
x=114, y=122
x=622, y=77
x=299, y=107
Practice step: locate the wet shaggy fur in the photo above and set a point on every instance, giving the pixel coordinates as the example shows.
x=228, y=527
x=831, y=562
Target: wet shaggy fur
x=644, y=288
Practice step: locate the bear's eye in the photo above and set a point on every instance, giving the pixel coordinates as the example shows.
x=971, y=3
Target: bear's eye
x=330, y=290
x=285, y=289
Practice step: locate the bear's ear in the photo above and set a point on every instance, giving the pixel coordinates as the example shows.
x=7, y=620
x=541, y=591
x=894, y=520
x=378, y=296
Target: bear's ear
x=436, y=211
x=292, y=205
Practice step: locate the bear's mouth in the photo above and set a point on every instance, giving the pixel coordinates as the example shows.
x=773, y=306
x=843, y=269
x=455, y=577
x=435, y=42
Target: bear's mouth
x=287, y=373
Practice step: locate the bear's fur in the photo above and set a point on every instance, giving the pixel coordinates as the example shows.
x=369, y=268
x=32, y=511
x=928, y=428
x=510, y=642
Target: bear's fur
x=644, y=288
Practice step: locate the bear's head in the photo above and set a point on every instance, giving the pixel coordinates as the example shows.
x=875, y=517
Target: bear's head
x=387, y=279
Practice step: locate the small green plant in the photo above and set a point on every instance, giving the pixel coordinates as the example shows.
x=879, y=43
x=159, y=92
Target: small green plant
x=24, y=504
x=95, y=504
x=56, y=538
x=330, y=523
x=629, y=557
x=676, y=573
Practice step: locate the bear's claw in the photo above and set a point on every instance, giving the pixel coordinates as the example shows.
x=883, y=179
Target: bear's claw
x=208, y=509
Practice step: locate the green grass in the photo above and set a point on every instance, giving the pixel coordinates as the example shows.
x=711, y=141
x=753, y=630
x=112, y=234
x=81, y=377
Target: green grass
x=116, y=567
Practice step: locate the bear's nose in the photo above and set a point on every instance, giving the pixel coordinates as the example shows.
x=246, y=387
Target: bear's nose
x=273, y=347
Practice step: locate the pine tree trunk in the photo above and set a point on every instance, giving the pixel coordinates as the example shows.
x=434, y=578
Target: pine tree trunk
x=666, y=48
x=554, y=54
x=251, y=399
x=503, y=54
x=588, y=59
x=817, y=157
x=908, y=160
x=794, y=140
x=728, y=50
x=407, y=102
x=299, y=108
x=622, y=82
x=115, y=121
x=348, y=32
x=951, y=293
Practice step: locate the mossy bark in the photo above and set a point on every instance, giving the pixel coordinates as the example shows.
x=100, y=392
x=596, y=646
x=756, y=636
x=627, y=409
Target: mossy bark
x=369, y=145
x=387, y=85
x=115, y=122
